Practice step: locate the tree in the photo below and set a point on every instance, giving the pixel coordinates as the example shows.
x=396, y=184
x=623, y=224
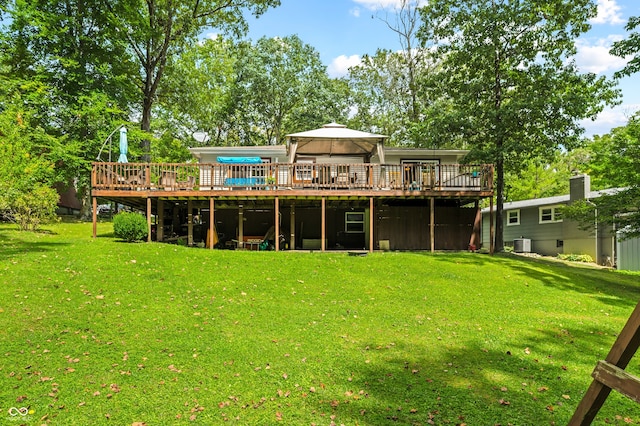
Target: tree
x=81, y=93
x=196, y=95
x=390, y=89
x=281, y=87
x=156, y=30
x=513, y=95
x=630, y=46
x=249, y=94
x=28, y=162
x=616, y=164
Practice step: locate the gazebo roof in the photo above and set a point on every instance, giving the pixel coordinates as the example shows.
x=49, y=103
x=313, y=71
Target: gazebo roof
x=334, y=139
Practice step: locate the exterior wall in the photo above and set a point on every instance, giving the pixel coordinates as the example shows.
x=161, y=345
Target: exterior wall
x=628, y=254
x=544, y=236
x=551, y=239
x=406, y=227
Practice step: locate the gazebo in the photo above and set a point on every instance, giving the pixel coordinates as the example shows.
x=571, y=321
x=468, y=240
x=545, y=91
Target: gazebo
x=336, y=139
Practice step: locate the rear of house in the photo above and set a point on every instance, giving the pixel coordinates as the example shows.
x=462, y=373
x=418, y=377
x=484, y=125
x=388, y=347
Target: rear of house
x=541, y=225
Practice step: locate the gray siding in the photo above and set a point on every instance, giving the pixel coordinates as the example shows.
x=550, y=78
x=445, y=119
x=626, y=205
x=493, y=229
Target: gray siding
x=628, y=254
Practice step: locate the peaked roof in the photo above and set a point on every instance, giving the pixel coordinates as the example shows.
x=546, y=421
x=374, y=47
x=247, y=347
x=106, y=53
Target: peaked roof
x=334, y=139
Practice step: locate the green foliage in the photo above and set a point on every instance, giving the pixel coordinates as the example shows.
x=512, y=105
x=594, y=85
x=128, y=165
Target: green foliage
x=28, y=163
x=614, y=165
x=130, y=226
x=163, y=334
x=629, y=46
x=283, y=88
x=32, y=207
x=538, y=180
x=248, y=94
x=510, y=92
x=585, y=258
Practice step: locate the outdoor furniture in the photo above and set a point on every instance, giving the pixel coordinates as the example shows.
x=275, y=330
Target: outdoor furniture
x=168, y=180
x=189, y=183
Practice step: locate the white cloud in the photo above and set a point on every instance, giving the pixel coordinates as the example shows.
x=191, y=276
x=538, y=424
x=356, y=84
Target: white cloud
x=339, y=67
x=608, y=13
x=355, y=12
x=609, y=119
x=593, y=56
x=385, y=4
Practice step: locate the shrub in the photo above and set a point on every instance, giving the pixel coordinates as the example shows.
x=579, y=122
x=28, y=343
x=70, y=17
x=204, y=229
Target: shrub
x=30, y=209
x=576, y=257
x=130, y=226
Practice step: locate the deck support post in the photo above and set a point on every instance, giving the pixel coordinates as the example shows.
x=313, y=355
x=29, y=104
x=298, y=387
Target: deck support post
x=324, y=227
x=292, y=238
x=94, y=216
x=189, y=222
x=277, y=210
x=371, y=215
x=148, y=219
x=474, y=240
x=212, y=223
x=240, y=226
x=491, y=226
x=160, y=224
x=432, y=224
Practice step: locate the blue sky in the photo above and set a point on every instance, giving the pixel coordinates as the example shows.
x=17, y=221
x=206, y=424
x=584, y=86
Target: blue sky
x=342, y=31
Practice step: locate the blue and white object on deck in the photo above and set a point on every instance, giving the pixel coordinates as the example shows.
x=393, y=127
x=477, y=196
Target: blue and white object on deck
x=124, y=145
x=239, y=160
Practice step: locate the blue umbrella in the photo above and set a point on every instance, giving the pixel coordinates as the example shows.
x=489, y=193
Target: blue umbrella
x=124, y=145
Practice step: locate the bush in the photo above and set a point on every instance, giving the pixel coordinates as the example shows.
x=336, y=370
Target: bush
x=30, y=209
x=130, y=226
x=576, y=257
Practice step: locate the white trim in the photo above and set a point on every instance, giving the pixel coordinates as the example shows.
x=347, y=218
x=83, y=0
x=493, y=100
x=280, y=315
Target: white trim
x=347, y=222
x=517, y=222
x=554, y=212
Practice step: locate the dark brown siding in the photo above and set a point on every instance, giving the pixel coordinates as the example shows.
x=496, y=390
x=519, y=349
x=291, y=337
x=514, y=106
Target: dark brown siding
x=407, y=227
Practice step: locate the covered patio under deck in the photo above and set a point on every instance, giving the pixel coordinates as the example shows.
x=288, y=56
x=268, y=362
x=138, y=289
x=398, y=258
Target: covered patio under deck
x=309, y=219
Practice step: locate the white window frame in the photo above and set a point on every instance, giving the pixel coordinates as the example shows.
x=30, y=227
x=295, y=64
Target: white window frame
x=517, y=216
x=553, y=211
x=350, y=221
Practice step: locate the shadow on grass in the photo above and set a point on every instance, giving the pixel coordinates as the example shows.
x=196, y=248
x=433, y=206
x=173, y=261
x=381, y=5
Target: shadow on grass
x=605, y=285
x=17, y=246
x=535, y=380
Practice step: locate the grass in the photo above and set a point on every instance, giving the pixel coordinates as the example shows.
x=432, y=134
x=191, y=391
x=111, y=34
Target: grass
x=96, y=331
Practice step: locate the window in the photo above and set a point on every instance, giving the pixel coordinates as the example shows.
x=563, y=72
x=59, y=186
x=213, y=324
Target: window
x=354, y=222
x=420, y=173
x=513, y=217
x=304, y=170
x=551, y=214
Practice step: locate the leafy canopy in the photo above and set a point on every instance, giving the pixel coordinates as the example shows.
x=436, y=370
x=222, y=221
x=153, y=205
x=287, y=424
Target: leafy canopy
x=508, y=88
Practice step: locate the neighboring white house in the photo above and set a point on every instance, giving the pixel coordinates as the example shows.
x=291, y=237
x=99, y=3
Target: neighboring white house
x=539, y=225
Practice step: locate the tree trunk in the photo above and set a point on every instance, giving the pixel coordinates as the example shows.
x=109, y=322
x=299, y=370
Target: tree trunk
x=499, y=234
x=147, y=103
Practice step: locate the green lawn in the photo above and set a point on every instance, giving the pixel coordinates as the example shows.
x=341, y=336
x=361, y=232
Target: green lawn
x=104, y=332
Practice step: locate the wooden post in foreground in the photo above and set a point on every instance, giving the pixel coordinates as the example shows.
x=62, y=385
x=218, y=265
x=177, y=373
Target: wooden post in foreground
x=610, y=375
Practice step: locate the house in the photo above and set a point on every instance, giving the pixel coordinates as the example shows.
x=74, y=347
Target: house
x=538, y=226
x=328, y=188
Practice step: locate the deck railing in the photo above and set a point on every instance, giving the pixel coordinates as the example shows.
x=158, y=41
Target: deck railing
x=360, y=176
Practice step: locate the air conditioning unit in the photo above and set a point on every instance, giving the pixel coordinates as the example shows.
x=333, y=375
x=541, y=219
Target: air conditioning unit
x=522, y=245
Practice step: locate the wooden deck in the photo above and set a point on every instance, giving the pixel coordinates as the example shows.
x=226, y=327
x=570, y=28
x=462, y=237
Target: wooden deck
x=392, y=197
x=296, y=180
